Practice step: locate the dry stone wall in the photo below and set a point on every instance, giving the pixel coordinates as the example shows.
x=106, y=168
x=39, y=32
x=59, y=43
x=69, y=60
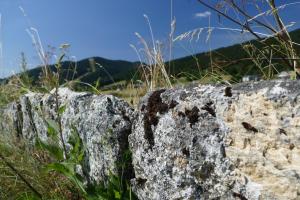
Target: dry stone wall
x=198, y=142
x=103, y=123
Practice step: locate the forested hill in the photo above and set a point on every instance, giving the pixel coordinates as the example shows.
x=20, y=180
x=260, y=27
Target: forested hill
x=91, y=70
x=230, y=60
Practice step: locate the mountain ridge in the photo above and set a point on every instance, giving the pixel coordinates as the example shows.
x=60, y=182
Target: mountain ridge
x=106, y=71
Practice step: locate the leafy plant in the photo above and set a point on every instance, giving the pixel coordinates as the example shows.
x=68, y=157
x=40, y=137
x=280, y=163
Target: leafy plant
x=115, y=189
x=21, y=161
x=65, y=164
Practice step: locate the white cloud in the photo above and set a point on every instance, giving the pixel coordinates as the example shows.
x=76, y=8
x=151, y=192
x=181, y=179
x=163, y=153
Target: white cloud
x=203, y=14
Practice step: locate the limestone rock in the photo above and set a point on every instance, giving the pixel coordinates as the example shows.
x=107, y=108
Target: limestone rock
x=198, y=142
x=103, y=123
x=218, y=142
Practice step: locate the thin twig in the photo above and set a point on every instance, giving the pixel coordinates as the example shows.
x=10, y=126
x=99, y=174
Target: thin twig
x=231, y=19
x=246, y=27
x=250, y=17
x=21, y=176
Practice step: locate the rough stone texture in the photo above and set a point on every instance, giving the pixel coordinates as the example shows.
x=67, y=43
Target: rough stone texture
x=200, y=142
x=218, y=142
x=103, y=123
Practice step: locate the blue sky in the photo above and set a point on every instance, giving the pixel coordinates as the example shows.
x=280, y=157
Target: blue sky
x=106, y=27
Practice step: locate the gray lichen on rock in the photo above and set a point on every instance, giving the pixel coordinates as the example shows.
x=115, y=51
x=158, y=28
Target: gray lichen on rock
x=103, y=123
x=197, y=142
x=186, y=158
x=241, y=142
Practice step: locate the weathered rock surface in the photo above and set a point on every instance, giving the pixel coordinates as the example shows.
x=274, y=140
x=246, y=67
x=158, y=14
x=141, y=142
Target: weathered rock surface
x=217, y=142
x=200, y=142
x=103, y=123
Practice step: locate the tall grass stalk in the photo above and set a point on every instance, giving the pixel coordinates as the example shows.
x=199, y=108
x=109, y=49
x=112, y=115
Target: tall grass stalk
x=278, y=30
x=154, y=72
x=1, y=49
